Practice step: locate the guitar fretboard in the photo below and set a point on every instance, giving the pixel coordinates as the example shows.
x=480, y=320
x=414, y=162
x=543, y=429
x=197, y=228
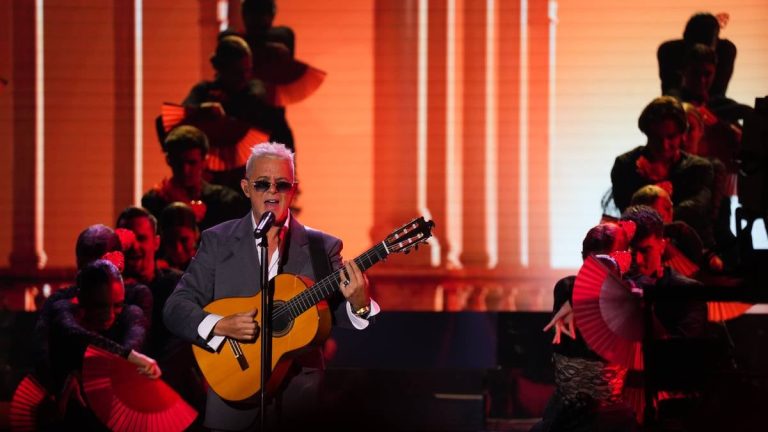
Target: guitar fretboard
x=328, y=285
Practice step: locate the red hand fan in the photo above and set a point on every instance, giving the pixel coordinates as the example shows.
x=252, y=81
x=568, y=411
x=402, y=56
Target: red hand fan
x=716, y=311
x=300, y=89
x=222, y=158
x=171, y=115
x=723, y=311
x=288, y=80
x=28, y=411
x=231, y=139
x=608, y=315
x=679, y=262
x=125, y=400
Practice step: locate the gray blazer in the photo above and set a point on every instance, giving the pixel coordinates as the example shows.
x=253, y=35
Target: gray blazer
x=227, y=265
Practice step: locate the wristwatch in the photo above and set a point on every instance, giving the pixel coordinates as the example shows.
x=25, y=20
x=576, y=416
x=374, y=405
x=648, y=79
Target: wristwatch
x=364, y=311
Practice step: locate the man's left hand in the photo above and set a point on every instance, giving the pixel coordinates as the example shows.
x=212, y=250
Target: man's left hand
x=355, y=286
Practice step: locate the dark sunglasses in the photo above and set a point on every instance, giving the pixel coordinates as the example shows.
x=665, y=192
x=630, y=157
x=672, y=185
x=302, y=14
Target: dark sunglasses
x=281, y=186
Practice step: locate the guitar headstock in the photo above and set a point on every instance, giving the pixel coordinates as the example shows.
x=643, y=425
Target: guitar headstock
x=409, y=235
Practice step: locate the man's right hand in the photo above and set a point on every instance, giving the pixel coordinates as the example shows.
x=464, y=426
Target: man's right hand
x=241, y=326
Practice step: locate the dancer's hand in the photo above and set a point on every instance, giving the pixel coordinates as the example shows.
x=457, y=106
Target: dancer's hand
x=563, y=323
x=145, y=365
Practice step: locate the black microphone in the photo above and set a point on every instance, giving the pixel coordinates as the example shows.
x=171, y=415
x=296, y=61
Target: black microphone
x=267, y=219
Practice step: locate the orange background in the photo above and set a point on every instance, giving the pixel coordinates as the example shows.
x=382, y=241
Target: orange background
x=356, y=137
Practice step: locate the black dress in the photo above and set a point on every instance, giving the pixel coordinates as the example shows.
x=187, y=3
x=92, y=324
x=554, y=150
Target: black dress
x=588, y=389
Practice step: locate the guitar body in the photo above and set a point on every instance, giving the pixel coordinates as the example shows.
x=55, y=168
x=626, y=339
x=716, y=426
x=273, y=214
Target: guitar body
x=227, y=377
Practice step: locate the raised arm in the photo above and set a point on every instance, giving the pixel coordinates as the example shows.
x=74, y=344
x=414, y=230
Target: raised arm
x=135, y=326
x=63, y=323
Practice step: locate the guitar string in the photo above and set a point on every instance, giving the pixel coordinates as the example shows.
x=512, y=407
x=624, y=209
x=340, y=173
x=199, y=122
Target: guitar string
x=302, y=301
x=306, y=299
x=235, y=347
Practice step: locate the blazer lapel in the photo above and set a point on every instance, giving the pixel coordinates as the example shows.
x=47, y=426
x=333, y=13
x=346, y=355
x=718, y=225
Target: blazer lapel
x=240, y=269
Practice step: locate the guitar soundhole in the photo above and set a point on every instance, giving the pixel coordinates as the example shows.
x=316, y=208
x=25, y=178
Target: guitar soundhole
x=281, y=323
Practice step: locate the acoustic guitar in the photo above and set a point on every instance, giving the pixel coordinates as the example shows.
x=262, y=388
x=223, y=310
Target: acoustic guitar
x=301, y=319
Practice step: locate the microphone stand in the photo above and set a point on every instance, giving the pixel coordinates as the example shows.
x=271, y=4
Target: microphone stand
x=266, y=326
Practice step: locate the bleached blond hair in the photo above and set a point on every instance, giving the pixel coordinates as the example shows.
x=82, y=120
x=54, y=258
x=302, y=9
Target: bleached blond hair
x=269, y=149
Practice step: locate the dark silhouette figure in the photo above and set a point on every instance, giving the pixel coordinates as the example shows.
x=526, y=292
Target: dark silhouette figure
x=288, y=80
x=703, y=29
x=234, y=111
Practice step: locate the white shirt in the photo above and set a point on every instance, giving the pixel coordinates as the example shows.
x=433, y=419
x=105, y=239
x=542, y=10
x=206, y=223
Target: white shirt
x=205, y=328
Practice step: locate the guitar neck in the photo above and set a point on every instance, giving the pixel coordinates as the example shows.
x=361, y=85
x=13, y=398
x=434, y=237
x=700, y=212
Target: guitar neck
x=330, y=284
